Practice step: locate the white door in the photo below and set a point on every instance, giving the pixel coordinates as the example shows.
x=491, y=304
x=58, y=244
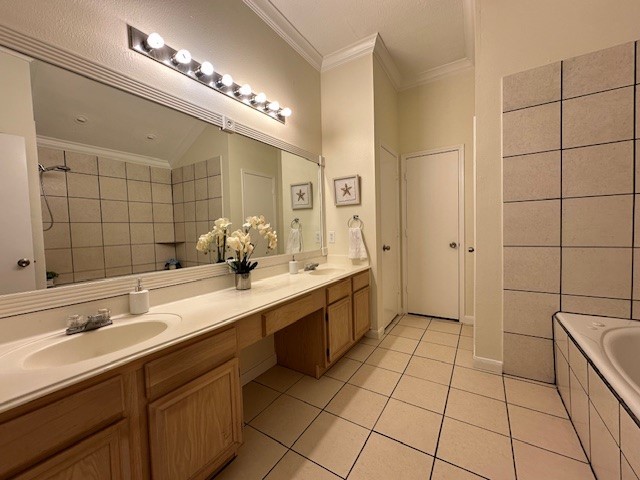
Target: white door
x=16, y=240
x=433, y=243
x=390, y=211
x=259, y=198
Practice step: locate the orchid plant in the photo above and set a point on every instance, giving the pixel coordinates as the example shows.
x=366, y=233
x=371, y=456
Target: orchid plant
x=217, y=237
x=240, y=243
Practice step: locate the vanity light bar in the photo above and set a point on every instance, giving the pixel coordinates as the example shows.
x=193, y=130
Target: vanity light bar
x=153, y=46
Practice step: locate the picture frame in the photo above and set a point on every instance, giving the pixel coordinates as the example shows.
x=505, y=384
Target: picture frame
x=301, y=196
x=346, y=190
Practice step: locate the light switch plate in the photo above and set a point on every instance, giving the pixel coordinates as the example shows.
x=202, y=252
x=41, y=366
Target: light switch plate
x=318, y=239
x=332, y=236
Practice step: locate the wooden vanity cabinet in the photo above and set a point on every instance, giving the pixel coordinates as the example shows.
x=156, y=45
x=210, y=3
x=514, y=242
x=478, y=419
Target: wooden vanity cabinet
x=339, y=319
x=361, y=302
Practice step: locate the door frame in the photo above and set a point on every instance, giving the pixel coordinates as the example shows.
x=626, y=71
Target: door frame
x=399, y=254
x=461, y=229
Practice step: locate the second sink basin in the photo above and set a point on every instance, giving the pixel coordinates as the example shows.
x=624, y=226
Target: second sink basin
x=84, y=346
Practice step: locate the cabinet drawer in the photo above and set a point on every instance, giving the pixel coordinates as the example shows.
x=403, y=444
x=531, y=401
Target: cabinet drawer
x=360, y=280
x=280, y=317
x=175, y=369
x=45, y=431
x=339, y=290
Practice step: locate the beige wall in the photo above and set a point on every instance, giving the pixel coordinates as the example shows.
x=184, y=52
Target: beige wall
x=513, y=36
x=440, y=114
x=16, y=118
x=225, y=32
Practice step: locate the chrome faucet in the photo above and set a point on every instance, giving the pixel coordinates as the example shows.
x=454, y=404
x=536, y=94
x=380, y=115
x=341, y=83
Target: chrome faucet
x=310, y=266
x=79, y=324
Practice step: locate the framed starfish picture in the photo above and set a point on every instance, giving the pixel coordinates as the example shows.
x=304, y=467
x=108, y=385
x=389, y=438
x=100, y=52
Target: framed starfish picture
x=301, y=196
x=347, y=190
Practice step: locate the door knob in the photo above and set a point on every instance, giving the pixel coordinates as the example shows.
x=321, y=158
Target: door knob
x=471, y=249
x=386, y=248
x=24, y=262
x=453, y=245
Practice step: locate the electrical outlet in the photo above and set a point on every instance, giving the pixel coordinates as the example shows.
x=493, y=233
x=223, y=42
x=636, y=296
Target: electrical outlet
x=318, y=239
x=332, y=236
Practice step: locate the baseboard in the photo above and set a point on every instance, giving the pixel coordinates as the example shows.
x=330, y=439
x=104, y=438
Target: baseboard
x=257, y=370
x=487, y=364
x=468, y=320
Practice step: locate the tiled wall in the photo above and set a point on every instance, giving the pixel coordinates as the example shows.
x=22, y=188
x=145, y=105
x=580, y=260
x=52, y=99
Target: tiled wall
x=609, y=435
x=197, y=193
x=111, y=218
x=569, y=176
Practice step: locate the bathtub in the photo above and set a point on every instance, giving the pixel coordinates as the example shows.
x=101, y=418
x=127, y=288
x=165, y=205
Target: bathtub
x=597, y=366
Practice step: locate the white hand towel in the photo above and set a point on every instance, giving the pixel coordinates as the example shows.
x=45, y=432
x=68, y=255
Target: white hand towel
x=357, y=250
x=294, y=241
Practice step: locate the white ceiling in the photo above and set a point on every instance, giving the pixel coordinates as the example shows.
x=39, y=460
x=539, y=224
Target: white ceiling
x=418, y=40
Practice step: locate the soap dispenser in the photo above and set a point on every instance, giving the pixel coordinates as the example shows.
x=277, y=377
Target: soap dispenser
x=139, y=300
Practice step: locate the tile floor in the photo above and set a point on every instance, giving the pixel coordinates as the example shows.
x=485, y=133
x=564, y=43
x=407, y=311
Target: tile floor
x=409, y=406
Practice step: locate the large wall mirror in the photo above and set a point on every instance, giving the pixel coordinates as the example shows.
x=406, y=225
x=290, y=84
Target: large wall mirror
x=125, y=185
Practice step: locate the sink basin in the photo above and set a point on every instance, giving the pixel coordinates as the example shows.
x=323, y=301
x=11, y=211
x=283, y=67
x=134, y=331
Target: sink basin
x=84, y=346
x=327, y=271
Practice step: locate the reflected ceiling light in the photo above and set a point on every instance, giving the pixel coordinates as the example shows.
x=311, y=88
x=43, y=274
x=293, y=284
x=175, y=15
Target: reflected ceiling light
x=260, y=98
x=273, y=106
x=286, y=112
x=244, y=90
x=205, y=68
x=226, y=80
x=182, y=57
x=154, y=41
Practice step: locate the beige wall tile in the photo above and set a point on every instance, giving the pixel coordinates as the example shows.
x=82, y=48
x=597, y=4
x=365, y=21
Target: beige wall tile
x=178, y=193
x=161, y=193
x=117, y=256
x=118, y=271
x=189, y=189
x=144, y=268
x=87, y=259
x=637, y=223
x=138, y=191
x=529, y=313
x=534, y=269
x=534, y=463
x=190, y=232
x=58, y=236
x=285, y=419
x=580, y=412
x=202, y=210
x=164, y=253
x=597, y=221
x=88, y=275
x=84, y=210
x=561, y=338
x=178, y=212
x=114, y=211
x=562, y=379
x=606, y=307
x=215, y=186
x=201, y=189
x=598, y=118
x=476, y=449
x=528, y=357
x=116, y=234
x=598, y=170
x=200, y=169
x=161, y=175
x=179, y=231
x=636, y=274
x=55, y=184
x=108, y=167
x=531, y=130
x=138, y=172
x=50, y=157
x=189, y=211
x=64, y=279
x=214, y=166
x=162, y=212
x=477, y=410
x=605, y=403
x=215, y=208
x=598, y=272
x=578, y=365
x=598, y=71
x=141, y=212
x=59, y=260
x=532, y=87
x=113, y=188
x=630, y=439
x=141, y=233
x=81, y=185
x=531, y=177
x=143, y=254
x=188, y=173
x=82, y=163
x=531, y=223
x=635, y=310
x=176, y=175
x=541, y=398
x=59, y=210
x=605, y=455
x=86, y=235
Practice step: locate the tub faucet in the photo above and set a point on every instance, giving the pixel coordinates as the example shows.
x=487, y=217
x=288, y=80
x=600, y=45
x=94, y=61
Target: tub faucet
x=78, y=324
x=310, y=266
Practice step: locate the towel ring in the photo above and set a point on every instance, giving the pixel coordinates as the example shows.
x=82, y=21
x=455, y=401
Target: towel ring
x=296, y=221
x=354, y=219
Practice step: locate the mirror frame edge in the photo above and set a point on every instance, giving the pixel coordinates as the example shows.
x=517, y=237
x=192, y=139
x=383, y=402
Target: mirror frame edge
x=38, y=300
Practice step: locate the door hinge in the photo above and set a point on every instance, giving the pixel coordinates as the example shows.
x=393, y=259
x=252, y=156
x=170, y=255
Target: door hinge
x=327, y=353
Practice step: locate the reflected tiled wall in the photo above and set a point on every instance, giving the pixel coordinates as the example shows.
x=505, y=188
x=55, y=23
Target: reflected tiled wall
x=569, y=178
x=197, y=193
x=111, y=218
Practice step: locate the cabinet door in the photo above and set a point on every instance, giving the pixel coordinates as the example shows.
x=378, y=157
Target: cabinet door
x=103, y=456
x=196, y=428
x=361, y=315
x=339, y=328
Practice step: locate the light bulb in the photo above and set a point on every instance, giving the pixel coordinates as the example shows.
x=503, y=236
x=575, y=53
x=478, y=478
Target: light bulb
x=227, y=80
x=245, y=90
x=273, y=106
x=286, y=112
x=182, y=56
x=205, y=69
x=260, y=98
x=154, y=41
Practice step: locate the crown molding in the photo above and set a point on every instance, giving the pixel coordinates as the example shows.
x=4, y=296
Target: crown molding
x=388, y=65
x=469, y=19
x=440, y=72
x=279, y=24
x=350, y=52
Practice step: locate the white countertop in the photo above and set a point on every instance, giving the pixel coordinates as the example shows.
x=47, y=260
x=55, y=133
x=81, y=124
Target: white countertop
x=199, y=314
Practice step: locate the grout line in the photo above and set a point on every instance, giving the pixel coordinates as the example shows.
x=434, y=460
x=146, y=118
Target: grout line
x=504, y=389
x=570, y=197
x=635, y=180
x=562, y=105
